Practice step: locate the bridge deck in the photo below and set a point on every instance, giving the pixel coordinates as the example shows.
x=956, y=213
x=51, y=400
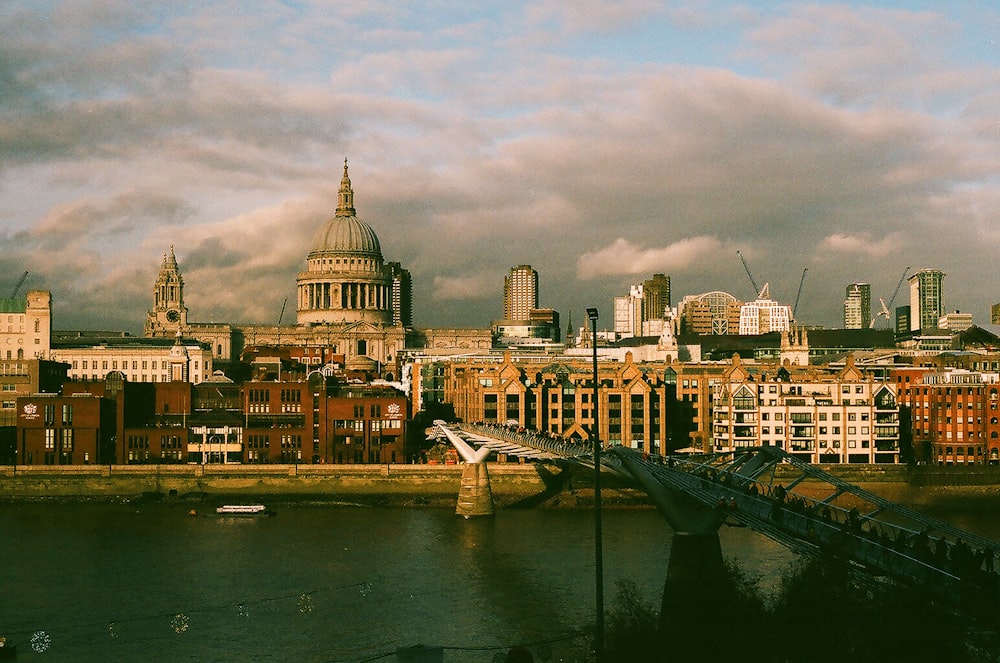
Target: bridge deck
x=809, y=511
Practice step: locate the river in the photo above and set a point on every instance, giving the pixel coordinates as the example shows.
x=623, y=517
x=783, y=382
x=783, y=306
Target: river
x=149, y=582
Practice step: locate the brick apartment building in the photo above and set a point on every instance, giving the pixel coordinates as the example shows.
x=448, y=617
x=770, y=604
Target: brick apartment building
x=954, y=413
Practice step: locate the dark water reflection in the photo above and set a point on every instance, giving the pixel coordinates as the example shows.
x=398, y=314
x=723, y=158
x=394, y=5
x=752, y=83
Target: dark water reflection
x=150, y=583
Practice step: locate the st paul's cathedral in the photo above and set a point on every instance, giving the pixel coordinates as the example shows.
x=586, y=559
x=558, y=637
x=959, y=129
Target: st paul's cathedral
x=350, y=302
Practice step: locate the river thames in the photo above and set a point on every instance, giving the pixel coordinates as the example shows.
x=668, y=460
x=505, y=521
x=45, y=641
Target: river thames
x=149, y=582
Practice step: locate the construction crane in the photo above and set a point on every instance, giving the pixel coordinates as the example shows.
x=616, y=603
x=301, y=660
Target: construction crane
x=886, y=308
x=799, y=294
x=17, y=288
x=756, y=289
x=282, y=314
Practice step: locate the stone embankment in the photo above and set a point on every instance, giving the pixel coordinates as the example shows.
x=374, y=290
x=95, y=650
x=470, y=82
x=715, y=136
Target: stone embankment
x=402, y=485
x=513, y=484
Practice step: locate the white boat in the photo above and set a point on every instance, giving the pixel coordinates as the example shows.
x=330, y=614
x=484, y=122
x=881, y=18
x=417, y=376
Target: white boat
x=243, y=510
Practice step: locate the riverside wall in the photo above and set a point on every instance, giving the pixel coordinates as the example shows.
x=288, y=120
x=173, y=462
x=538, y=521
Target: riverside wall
x=523, y=484
x=379, y=484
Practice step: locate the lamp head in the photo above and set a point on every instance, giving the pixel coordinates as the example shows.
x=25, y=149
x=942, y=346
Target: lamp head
x=592, y=314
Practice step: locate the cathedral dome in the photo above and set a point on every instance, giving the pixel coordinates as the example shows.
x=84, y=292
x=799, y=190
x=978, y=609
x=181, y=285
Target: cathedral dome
x=345, y=233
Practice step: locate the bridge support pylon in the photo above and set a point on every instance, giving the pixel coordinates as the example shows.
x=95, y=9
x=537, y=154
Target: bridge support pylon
x=693, y=587
x=475, y=496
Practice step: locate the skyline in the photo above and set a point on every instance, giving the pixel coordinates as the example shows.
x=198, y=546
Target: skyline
x=599, y=144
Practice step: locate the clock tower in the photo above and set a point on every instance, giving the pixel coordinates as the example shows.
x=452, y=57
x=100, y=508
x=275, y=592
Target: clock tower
x=168, y=315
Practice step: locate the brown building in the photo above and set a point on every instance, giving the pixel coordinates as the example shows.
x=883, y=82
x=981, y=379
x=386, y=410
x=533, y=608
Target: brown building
x=367, y=424
x=557, y=398
x=716, y=313
x=954, y=413
x=303, y=420
x=65, y=430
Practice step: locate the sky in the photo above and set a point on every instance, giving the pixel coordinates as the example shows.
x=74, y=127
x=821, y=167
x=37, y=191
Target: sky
x=599, y=142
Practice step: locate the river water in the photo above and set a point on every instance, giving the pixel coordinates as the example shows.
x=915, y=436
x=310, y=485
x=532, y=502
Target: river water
x=151, y=583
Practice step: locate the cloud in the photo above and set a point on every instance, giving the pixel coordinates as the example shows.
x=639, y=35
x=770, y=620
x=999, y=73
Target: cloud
x=472, y=286
x=849, y=140
x=624, y=257
x=861, y=244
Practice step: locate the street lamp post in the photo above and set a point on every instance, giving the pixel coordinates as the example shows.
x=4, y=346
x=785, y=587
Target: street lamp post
x=598, y=544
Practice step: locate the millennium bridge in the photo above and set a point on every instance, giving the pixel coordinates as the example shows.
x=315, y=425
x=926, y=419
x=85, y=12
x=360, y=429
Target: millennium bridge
x=798, y=505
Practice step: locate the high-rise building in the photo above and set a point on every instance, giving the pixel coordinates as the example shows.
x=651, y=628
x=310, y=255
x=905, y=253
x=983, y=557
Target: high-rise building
x=858, y=306
x=628, y=313
x=401, y=295
x=643, y=310
x=520, y=293
x=655, y=297
x=926, y=299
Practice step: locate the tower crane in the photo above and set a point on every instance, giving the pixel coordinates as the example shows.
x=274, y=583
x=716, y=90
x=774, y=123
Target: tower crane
x=799, y=294
x=282, y=314
x=756, y=289
x=886, y=308
x=17, y=288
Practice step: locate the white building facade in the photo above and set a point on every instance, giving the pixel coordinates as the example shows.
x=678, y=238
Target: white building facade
x=764, y=315
x=138, y=362
x=26, y=326
x=845, y=419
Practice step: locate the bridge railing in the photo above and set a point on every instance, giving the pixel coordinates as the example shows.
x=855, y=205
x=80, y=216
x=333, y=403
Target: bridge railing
x=813, y=526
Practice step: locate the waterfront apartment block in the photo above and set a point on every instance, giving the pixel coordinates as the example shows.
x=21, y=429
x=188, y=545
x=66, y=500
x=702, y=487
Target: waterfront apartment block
x=846, y=419
x=954, y=412
x=556, y=396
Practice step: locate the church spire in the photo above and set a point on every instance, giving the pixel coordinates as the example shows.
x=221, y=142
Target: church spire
x=345, y=198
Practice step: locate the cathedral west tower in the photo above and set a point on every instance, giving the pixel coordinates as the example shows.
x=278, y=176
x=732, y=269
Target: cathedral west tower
x=168, y=315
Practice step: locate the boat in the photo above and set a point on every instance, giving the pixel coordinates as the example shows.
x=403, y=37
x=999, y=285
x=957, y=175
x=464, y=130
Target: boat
x=8, y=650
x=243, y=510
